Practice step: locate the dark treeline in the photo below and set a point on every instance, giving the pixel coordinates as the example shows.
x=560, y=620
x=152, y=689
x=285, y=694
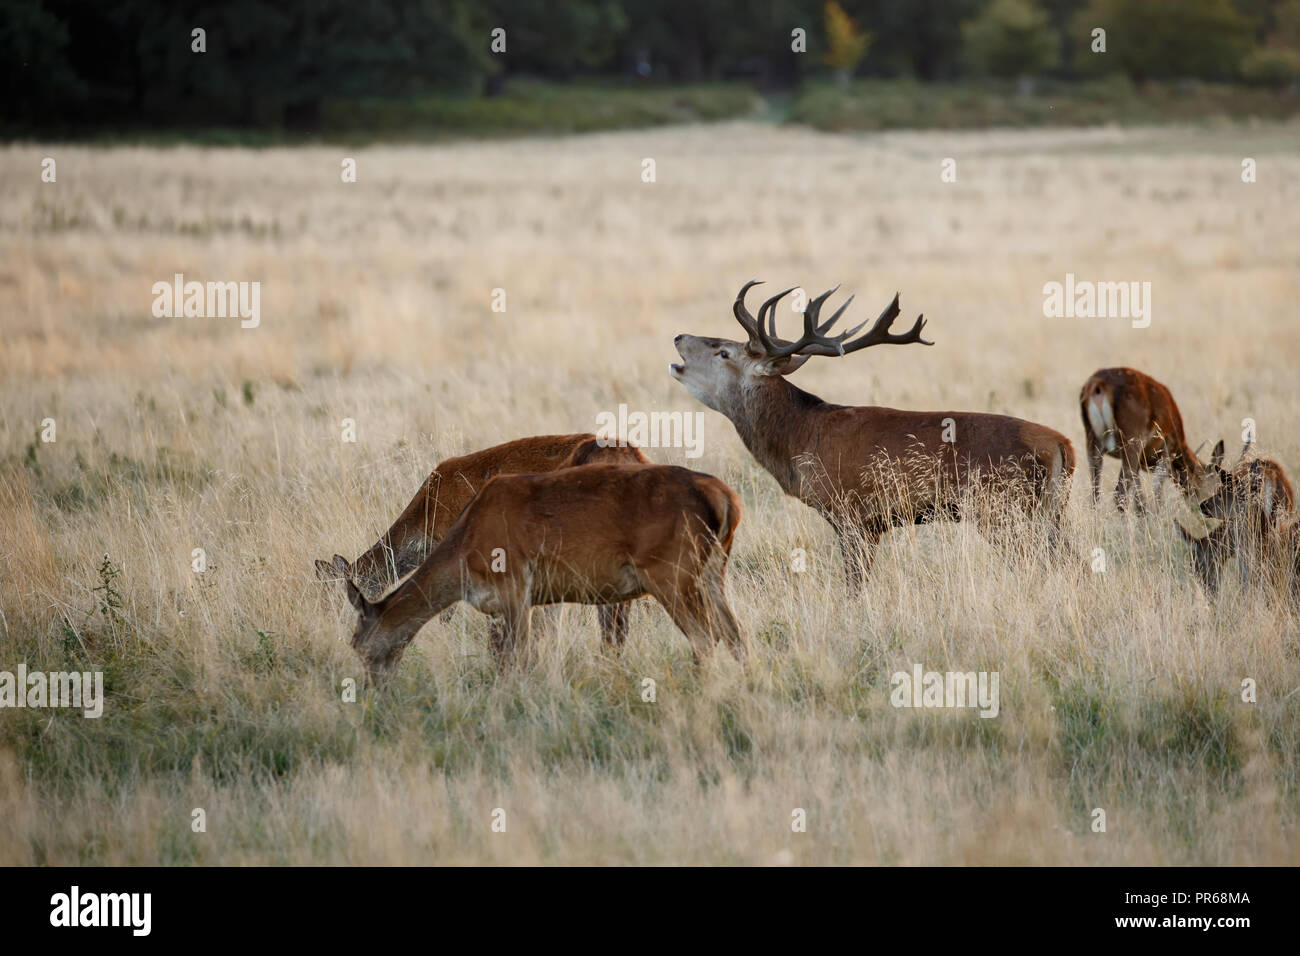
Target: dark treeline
x=272, y=63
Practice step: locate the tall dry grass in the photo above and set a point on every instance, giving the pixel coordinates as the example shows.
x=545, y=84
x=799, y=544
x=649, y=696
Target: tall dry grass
x=1119, y=690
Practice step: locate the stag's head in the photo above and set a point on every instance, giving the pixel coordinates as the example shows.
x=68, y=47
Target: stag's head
x=717, y=371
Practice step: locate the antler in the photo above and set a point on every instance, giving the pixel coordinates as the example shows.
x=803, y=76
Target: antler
x=814, y=340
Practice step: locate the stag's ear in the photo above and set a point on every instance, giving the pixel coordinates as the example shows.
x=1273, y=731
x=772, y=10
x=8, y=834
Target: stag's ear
x=781, y=366
x=325, y=571
x=341, y=566
x=1216, y=456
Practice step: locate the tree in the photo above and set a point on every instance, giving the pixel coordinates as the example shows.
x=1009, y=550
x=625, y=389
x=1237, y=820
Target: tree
x=1277, y=61
x=35, y=72
x=847, y=45
x=1166, y=38
x=1011, y=38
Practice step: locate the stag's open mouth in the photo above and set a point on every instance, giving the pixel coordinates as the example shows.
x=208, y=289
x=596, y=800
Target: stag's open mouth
x=676, y=370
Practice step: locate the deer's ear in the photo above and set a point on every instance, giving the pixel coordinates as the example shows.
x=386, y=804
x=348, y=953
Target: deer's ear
x=781, y=366
x=1216, y=456
x=355, y=597
x=1190, y=534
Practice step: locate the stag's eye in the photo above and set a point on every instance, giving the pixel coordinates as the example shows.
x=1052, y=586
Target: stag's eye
x=724, y=353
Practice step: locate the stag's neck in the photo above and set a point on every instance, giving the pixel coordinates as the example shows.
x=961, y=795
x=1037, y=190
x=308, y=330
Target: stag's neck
x=778, y=424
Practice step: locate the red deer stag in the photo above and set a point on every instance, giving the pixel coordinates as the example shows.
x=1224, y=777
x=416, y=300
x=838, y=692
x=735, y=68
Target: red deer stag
x=446, y=492
x=595, y=534
x=867, y=469
x=1130, y=416
x=1255, y=510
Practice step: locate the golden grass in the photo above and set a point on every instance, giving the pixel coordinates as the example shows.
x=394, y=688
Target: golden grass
x=1119, y=691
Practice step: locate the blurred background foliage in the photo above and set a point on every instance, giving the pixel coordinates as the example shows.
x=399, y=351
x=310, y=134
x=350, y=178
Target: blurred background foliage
x=425, y=66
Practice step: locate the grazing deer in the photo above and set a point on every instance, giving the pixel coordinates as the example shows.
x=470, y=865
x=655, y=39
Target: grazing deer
x=1255, y=510
x=866, y=469
x=594, y=534
x=446, y=492
x=1130, y=416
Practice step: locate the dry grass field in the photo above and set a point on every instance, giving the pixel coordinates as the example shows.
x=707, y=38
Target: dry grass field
x=1119, y=690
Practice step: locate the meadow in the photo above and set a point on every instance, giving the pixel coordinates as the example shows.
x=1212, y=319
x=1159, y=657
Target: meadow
x=1121, y=689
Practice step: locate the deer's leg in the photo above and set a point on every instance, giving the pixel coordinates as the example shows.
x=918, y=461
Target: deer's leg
x=678, y=592
x=1094, y=465
x=1162, y=471
x=1127, y=486
x=512, y=633
x=722, y=621
x=500, y=640
x=548, y=619
x=858, y=542
x=1205, y=562
x=1245, y=568
x=613, y=623
x=689, y=612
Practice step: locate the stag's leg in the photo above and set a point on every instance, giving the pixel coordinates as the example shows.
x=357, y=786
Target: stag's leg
x=858, y=548
x=613, y=623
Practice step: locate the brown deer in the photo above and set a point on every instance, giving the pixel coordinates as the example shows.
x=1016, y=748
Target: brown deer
x=593, y=534
x=1128, y=415
x=1254, y=508
x=867, y=469
x=446, y=492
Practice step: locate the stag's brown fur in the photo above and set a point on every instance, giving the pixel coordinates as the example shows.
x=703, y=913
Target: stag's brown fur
x=590, y=534
x=1128, y=415
x=867, y=469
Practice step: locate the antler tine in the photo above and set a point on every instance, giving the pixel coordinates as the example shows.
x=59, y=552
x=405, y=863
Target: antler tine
x=814, y=308
x=836, y=317
x=815, y=341
x=879, y=333
x=742, y=314
x=770, y=341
